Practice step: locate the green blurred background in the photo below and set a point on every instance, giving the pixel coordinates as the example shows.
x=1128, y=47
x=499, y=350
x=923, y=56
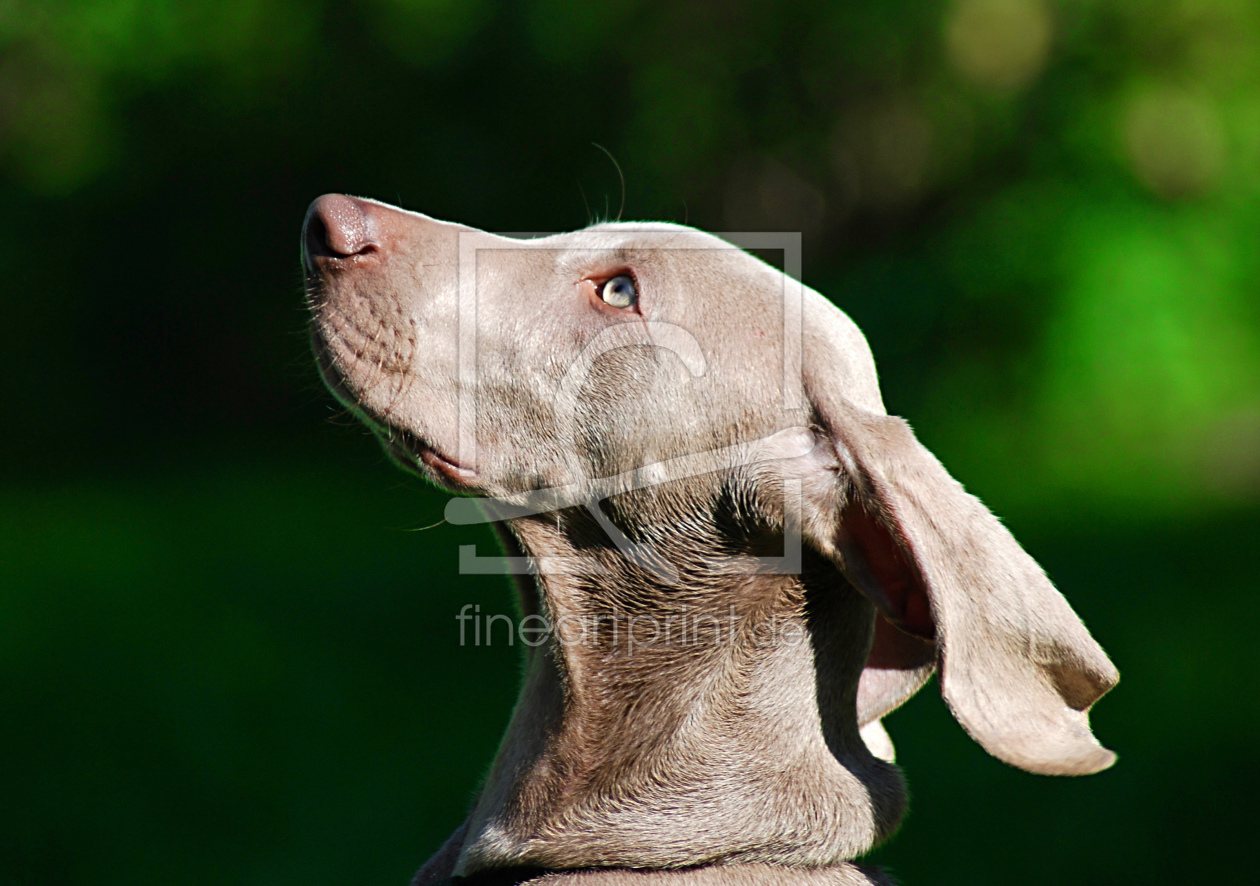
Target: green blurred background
x=228, y=654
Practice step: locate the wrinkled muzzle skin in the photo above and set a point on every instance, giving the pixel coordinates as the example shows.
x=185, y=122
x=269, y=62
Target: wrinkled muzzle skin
x=657, y=461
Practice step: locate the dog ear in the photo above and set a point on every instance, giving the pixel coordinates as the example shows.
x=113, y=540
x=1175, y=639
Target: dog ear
x=954, y=589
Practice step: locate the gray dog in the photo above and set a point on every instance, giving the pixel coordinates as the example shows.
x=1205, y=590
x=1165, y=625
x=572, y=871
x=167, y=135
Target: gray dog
x=738, y=561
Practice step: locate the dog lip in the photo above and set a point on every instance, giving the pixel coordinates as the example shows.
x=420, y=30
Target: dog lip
x=409, y=448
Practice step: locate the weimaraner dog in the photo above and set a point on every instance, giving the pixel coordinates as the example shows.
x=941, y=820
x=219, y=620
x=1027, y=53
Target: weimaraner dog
x=737, y=561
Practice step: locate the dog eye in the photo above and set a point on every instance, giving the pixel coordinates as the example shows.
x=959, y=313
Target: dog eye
x=619, y=292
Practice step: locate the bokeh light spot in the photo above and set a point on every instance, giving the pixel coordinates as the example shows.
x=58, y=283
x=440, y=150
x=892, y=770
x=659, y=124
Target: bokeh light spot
x=999, y=45
x=1174, y=141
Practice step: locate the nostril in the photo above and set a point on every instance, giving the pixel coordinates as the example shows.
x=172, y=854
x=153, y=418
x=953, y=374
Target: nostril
x=315, y=237
x=337, y=227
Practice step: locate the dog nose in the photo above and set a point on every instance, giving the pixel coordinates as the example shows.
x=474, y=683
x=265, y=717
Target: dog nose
x=337, y=227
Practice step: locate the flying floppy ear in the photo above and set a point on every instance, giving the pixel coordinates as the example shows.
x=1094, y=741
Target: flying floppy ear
x=954, y=590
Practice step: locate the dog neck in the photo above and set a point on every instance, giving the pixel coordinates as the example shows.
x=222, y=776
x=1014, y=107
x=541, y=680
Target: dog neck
x=704, y=717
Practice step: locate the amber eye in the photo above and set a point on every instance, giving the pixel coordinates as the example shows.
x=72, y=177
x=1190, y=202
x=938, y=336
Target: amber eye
x=619, y=291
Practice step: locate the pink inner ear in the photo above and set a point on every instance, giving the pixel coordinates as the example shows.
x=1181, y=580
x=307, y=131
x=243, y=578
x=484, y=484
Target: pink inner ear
x=895, y=649
x=891, y=579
